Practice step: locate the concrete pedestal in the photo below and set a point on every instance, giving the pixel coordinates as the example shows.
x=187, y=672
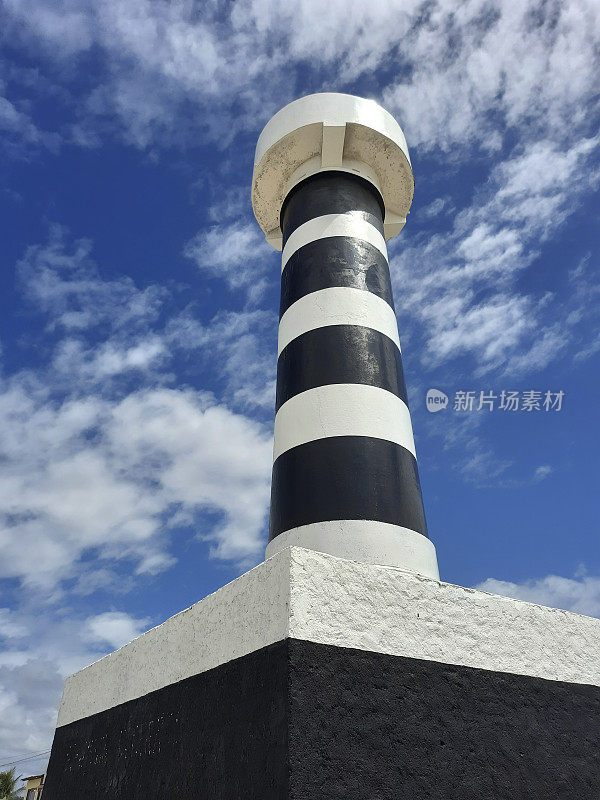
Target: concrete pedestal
x=316, y=677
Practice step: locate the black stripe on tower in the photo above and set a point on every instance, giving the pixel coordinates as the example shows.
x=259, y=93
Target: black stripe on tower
x=331, y=193
x=339, y=354
x=335, y=261
x=340, y=333
x=346, y=477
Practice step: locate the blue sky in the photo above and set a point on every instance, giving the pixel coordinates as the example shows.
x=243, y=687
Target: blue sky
x=138, y=301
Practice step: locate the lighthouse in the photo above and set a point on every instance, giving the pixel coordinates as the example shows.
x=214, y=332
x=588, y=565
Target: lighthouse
x=332, y=184
x=340, y=667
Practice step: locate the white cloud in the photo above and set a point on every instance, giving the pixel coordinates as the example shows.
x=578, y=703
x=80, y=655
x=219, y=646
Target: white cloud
x=10, y=627
x=29, y=696
x=94, y=466
x=108, y=360
x=101, y=332
x=435, y=209
x=241, y=347
x=455, y=76
x=542, y=472
x=580, y=594
x=18, y=131
x=114, y=628
x=464, y=296
x=230, y=203
x=585, y=286
x=34, y=663
x=208, y=457
x=107, y=476
x=63, y=281
x=486, y=68
x=237, y=253
x=68, y=22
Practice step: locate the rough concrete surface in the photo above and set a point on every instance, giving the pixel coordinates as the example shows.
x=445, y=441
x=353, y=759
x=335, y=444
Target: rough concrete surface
x=387, y=610
x=305, y=595
x=241, y=617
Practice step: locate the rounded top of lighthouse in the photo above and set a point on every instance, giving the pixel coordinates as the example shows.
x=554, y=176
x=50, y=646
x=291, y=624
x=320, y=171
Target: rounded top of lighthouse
x=331, y=131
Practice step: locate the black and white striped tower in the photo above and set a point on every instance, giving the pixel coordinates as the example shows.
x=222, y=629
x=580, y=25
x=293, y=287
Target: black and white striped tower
x=332, y=182
x=339, y=677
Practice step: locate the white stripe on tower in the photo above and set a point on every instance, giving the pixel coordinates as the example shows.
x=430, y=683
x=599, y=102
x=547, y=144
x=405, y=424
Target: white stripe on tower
x=337, y=305
x=342, y=409
x=350, y=224
x=367, y=540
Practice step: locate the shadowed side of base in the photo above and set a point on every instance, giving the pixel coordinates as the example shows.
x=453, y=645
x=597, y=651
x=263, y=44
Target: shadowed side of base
x=305, y=720
x=219, y=734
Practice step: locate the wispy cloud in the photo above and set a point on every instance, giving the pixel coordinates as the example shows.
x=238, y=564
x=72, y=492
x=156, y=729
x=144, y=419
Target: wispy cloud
x=19, y=134
x=94, y=465
x=456, y=79
x=114, y=628
x=465, y=297
x=240, y=347
x=580, y=594
x=62, y=280
x=37, y=653
x=237, y=253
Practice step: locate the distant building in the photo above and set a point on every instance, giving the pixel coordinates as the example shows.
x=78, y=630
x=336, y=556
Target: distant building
x=34, y=786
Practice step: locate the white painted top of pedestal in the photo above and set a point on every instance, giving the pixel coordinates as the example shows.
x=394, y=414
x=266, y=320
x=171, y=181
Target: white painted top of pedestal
x=302, y=594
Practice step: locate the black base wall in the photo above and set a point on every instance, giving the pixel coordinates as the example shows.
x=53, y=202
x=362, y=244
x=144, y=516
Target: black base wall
x=376, y=727
x=309, y=722
x=220, y=735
